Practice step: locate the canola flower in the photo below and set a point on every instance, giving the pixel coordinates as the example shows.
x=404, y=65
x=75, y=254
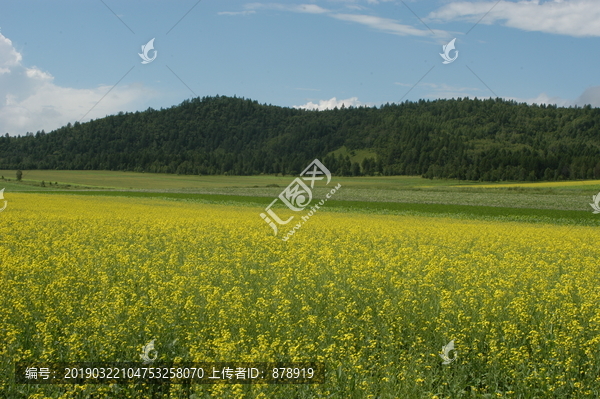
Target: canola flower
x=373, y=297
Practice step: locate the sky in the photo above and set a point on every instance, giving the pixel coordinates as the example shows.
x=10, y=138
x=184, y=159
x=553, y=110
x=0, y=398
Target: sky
x=64, y=61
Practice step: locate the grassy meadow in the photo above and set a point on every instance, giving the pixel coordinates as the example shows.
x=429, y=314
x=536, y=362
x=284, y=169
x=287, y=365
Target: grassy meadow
x=372, y=286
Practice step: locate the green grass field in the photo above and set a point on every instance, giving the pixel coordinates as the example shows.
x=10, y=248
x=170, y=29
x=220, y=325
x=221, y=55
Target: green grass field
x=161, y=181
x=565, y=196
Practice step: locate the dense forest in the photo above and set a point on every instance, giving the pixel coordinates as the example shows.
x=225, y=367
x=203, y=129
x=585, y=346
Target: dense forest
x=467, y=139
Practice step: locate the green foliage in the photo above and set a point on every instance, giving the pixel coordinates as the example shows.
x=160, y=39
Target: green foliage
x=466, y=139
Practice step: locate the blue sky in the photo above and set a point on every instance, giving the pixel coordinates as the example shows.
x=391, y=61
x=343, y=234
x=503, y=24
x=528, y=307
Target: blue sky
x=60, y=60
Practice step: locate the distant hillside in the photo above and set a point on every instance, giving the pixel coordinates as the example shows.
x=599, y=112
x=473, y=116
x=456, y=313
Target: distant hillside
x=465, y=139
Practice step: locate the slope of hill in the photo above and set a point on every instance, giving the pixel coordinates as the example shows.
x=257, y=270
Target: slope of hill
x=465, y=138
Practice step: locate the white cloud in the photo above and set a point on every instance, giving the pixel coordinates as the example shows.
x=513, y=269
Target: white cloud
x=590, y=96
x=30, y=101
x=577, y=18
x=9, y=57
x=543, y=98
x=330, y=104
x=355, y=7
x=301, y=8
x=310, y=8
x=443, y=91
x=385, y=24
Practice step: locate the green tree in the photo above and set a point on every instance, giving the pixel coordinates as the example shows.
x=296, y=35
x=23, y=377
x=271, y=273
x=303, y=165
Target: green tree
x=463, y=139
x=19, y=175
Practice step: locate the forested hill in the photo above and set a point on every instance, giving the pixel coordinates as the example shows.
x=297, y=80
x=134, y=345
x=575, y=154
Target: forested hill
x=463, y=138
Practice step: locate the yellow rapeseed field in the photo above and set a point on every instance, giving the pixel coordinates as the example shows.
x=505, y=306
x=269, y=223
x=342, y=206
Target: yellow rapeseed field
x=374, y=297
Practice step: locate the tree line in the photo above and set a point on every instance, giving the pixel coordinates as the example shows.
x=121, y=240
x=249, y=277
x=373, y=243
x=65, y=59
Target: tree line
x=467, y=139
